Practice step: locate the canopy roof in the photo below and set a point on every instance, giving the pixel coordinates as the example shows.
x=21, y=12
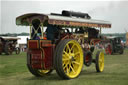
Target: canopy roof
x=26, y=20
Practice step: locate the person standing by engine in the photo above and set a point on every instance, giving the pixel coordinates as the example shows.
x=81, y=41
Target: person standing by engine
x=50, y=32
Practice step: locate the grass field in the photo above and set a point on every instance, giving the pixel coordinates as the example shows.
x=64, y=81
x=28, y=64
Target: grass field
x=13, y=71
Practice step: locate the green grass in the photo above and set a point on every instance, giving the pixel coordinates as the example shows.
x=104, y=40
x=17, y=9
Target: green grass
x=12, y=64
x=13, y=71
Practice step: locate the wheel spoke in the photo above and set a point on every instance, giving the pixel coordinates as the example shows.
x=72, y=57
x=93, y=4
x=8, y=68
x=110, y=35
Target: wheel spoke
x=66, y=64
x=76, y=53
x=68, y=48
x=76, y=62
x=65, y=59
x=72, y=69
x=67, y=71
x=66, y=53
x=72, y=47
x=64, y=56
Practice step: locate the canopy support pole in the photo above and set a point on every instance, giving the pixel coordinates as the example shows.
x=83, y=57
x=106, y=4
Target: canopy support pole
x=30, y=30
x=42, y=30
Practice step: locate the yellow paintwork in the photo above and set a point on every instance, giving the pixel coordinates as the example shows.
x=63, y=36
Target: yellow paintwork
x=44, y=71
x=72, y=59
x=101, y=61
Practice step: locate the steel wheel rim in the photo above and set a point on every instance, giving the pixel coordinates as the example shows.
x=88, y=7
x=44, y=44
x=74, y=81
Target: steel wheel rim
x=101, y=61
x=72, y=59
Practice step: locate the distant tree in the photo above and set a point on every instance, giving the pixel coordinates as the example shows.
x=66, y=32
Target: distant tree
x=15, y=34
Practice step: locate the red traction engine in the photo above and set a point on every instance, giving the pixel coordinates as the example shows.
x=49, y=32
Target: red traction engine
x=58, y=41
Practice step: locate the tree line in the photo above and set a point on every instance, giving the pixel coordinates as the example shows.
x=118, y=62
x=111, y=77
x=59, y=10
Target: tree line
x=15, y=34
x=123, y=35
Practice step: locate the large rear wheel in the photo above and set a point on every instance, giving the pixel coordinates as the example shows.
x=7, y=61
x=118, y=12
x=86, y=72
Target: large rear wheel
x=69, y=59
x=8, y=48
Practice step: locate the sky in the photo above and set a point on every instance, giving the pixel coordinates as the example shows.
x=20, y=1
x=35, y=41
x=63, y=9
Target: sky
x=114, y=11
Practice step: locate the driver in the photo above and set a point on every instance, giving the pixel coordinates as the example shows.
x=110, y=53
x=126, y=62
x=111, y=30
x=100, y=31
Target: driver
x=50, y=32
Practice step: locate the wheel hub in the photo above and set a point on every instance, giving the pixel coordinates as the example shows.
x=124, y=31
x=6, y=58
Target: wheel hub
x=71, y=57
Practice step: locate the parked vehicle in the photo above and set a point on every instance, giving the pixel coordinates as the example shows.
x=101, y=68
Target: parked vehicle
x=8, y=45
x=114, y=46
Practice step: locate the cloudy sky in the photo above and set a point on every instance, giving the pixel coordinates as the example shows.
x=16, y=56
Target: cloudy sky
x=114, y=11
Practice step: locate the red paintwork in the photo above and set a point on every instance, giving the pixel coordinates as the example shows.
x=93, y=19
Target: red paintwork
x=42, y=52
x=108, y=49
x=33, y=44
x=45, y=44
x=48, y=58
x=42, y=57
x=95, y=41
x=87, y=58
x=36, y=59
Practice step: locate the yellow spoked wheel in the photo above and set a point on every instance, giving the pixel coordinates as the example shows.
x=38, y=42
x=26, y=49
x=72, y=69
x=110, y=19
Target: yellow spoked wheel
x=69, y=59
x=100, y=61
x=36, y=72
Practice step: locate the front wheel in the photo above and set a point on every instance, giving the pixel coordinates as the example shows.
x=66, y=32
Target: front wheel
x=99, y=61
x=69, y=59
